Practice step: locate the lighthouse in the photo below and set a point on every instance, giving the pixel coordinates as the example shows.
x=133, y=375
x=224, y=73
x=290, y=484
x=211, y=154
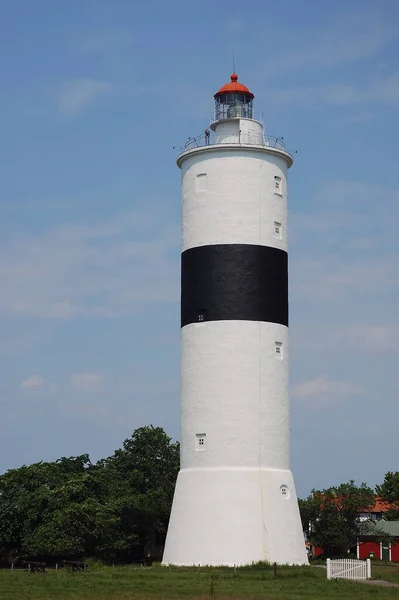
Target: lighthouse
x=235, y=501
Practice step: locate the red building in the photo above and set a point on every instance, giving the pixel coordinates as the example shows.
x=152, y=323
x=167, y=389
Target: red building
x=386, y=550
x=367, y=547
x=376, y=513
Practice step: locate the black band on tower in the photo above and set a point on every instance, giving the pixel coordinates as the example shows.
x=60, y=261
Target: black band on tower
x=226, y=282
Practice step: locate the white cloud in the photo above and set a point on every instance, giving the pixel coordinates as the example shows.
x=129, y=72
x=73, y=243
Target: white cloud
x=351, y=38
x=33, y=382
x=78, y=94
x=383, y=91
x=87, y=382
x=109, y=269
x=329, y=278
x=355, y=259
x=370, y=338
x=364, y=338
x=21, y=343
x=324, y=390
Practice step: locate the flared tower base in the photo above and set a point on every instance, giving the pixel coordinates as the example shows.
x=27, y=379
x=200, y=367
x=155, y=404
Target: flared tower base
x=234, y=516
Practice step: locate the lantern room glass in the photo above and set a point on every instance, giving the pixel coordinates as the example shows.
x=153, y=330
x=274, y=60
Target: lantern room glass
x=232, y=106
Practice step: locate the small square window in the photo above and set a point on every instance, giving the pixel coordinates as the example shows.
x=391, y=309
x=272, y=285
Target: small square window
x=279, y=350
x=200, y=441
x=278, y=230
x=201, y=315
x=201, y=182
x=284, y=491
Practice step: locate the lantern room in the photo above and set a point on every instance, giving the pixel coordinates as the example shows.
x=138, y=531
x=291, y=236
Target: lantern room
x=233, y=100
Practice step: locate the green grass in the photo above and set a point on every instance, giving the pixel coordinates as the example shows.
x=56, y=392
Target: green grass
x=385, y=570
x=156, y=583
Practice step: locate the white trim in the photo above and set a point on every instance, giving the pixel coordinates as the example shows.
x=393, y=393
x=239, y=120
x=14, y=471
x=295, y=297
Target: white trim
x=240, y=148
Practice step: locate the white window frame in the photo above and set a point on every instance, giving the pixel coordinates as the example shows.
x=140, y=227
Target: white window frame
x=201, y=182
x=278, y=185
x=278, y=226
x=200, y=442
x=278, y=349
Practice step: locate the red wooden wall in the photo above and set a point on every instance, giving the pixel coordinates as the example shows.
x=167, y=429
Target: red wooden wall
x=395, y=552
x=366, y=547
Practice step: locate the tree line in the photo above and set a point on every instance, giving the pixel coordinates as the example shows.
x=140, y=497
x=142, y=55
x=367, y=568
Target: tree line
x=117, y=509
x=331, y=517
x=114, y=510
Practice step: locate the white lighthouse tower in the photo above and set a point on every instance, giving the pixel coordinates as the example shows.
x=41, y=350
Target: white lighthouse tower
x=235, y=501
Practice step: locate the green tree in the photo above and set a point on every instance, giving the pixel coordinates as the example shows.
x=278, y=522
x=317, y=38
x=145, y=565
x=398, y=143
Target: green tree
x=146, y=469
x=82, y=518
x=149, y=459
x=25, y=495
x=331, y=516
x=388, y=491
x=72, y=508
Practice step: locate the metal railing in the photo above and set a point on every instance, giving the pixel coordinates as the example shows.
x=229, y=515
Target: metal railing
x=240, y=138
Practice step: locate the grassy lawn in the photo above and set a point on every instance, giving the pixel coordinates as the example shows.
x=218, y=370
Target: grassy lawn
x=385, y=570
x=128, y=583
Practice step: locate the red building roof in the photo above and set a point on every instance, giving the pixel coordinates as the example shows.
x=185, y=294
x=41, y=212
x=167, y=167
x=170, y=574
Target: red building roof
x=380, y=506
x=234, y=87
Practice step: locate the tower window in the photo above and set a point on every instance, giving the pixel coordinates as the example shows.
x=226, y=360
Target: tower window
x=200, y=439
x=278, y=230
x=201, y=182
x=278, y=185
x=279, y=350
x=201, y=315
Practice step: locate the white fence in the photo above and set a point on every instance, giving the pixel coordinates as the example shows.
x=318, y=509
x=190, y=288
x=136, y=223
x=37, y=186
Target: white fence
x=348, y=568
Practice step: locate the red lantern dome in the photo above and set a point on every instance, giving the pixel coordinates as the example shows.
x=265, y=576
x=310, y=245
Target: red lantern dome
x=233, y=100
x=234, y=88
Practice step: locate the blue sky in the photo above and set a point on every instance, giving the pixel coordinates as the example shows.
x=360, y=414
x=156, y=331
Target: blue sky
x=95, y=94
